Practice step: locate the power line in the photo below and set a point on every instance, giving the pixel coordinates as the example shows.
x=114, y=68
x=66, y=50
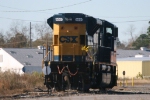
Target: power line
x=123, y=16
x=130, y=21
x=11, y=7
x=23, y=9
x=82, y=2
x=21, y=19
x=49, y=9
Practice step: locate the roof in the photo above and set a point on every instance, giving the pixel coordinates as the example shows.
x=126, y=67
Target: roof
x=26, y=56
x=134, y=59
x=33, y=57
x=131, y=53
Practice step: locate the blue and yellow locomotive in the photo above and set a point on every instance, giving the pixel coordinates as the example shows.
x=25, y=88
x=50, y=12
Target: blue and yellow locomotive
x=83, y=54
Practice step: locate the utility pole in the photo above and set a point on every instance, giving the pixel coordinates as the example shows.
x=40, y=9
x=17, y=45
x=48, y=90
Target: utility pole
x=30, y=36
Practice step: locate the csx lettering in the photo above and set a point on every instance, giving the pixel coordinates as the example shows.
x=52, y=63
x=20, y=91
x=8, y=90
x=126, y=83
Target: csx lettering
x=68, y=39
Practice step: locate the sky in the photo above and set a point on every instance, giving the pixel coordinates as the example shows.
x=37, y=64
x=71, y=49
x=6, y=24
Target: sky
x=122, y=13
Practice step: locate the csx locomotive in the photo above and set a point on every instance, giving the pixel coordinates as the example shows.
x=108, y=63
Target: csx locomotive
x=83, y=54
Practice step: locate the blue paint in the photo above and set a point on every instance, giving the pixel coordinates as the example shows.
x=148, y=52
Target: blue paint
x=69, y=58
x=56, y=58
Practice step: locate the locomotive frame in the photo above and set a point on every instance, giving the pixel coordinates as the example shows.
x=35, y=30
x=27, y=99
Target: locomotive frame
x=83, y=54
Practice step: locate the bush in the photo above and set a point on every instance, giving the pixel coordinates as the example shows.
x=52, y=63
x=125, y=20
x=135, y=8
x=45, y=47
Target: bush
x=139, y=75
x=10, y=81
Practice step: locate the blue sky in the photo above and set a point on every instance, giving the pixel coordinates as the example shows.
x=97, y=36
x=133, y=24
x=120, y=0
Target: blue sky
x=118, y=12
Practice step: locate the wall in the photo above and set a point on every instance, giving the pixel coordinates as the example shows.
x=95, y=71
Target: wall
x=146, y=68
x=30, y=69
x=9, y=63
x=131, y=68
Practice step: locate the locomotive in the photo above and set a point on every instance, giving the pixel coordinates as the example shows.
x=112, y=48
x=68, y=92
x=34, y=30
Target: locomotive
x=83, y=53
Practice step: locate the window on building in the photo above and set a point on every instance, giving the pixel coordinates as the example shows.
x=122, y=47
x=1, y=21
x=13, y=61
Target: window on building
x=12, y=52
x=29, y=56
x=27, y=63
x=38, y=52
x=1, y=58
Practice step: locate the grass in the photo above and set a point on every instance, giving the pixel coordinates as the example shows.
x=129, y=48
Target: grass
x=12, y=83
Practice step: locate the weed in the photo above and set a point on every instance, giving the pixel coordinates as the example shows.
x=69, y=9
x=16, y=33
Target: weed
x=139, y=75
x=11, y=82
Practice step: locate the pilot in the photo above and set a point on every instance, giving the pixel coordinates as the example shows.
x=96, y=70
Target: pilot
x=66, y=76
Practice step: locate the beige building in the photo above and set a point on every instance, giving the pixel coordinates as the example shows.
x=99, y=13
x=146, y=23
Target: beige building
x=133, y=66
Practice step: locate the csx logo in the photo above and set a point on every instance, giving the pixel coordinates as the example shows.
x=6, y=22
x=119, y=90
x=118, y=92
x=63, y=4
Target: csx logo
x=68, y=39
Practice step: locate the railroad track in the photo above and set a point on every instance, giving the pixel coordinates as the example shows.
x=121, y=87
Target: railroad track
x=44, y=93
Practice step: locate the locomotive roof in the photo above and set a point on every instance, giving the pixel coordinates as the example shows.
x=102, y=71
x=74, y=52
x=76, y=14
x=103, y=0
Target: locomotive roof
x=92, y=23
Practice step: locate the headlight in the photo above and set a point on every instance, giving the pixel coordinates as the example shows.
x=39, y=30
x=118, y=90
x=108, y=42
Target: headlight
x=46, y=70
x=108, y=68
x=104, y=67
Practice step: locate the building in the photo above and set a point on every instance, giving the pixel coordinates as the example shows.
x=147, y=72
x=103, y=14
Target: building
x=21, y=60
x=133, y=62
x=131, y=53
x=133, y=66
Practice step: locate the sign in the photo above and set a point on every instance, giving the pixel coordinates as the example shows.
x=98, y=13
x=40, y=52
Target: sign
x=79, y=19
x=59, y=19
x=68, y=39
x=123, y=72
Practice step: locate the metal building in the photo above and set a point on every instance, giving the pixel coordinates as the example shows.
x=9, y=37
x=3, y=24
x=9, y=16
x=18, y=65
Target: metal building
x=133, y=62
x=21, y=60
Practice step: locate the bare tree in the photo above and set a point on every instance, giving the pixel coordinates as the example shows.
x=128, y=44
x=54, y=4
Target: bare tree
x=42, y=29
x=2, y=41
x=129, y=46
x=130, y=32
x=16, y=36
x=43, y=33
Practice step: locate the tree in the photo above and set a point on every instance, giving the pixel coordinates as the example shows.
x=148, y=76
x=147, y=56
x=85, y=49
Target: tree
x=130, y=32
x=46, y=38
x=120, y=45
x=16, y=36
x=19, y=41
x=148, y=30
x=44, y=34
x=2, y=41
x=142, y=41
x=130, y=44
x=42, y=29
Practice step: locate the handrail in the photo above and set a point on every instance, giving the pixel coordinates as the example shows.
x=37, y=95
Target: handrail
x=44, y=58
x=72, y=73
x=60, y=72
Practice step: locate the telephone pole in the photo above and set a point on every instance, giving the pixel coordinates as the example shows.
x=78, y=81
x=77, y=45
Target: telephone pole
x=30, y=36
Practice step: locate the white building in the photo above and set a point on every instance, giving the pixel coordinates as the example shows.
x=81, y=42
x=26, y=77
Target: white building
x=21, y=60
